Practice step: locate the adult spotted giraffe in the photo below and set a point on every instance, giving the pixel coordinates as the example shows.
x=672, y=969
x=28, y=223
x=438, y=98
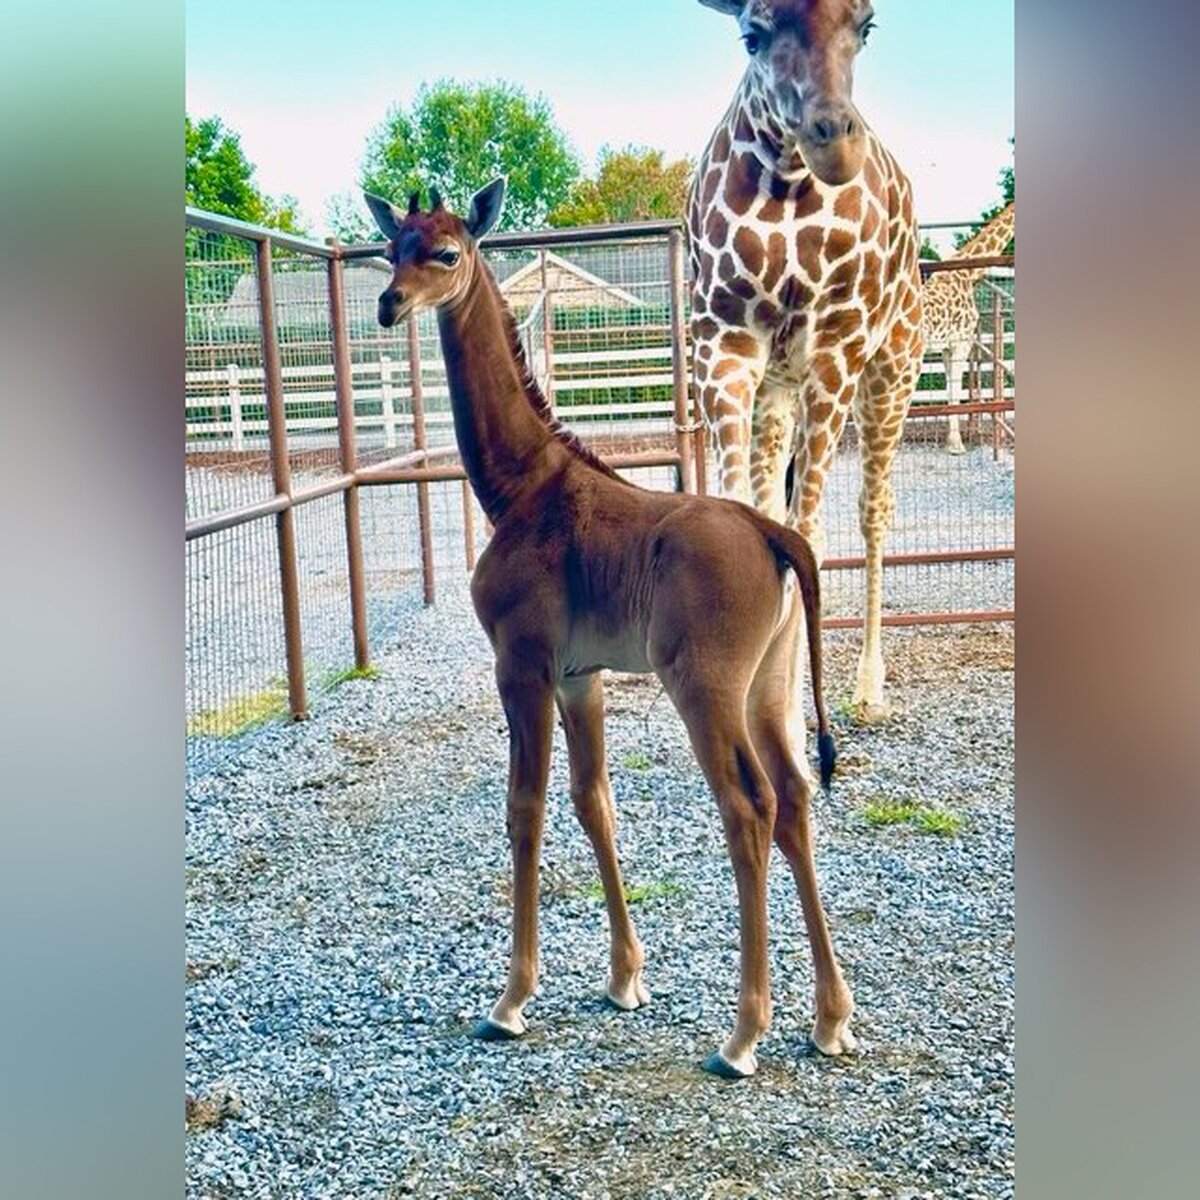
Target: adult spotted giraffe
x=950, y=316
x=806, y=294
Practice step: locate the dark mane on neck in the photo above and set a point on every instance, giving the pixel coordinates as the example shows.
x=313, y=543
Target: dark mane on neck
x=533, y=393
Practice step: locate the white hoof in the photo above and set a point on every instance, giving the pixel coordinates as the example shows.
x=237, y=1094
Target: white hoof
x=833, y=1043
x=631, y=996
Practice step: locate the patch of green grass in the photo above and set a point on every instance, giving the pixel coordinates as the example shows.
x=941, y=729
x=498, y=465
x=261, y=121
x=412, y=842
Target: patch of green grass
x=334, y=679
x=638, y=892
x=940, y=822
x=888, y=812
x=637, y=761
x=243, y=713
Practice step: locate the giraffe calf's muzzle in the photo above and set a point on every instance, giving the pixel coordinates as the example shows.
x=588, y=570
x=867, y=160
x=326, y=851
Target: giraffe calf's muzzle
x=392, y=307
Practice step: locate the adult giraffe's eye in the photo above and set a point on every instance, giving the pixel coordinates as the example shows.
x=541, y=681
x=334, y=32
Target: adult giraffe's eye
x=866, y=28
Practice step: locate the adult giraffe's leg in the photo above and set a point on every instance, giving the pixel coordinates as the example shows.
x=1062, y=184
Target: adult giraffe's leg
x=728, y=369
x=772, y=444
x=954, y=442
x=823, y=408
x=581, y=703
x=528, y=698
x=880, y=408
x=767, y=712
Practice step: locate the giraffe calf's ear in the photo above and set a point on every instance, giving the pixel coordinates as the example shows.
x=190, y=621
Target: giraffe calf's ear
x=386, y=215
x=485, y=208
x=729, y=7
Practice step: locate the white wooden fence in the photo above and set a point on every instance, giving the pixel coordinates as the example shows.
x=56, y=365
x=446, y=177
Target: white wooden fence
x=225, y=407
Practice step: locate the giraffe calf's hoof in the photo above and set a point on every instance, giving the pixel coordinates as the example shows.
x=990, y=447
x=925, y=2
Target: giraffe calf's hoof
x=836, y=1042
x=955, y=448
x=489, y=1030
x=717, y=1064
x=629, y=996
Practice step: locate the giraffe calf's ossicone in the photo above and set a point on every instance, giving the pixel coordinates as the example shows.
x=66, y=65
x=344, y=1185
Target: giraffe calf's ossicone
x=586, y=571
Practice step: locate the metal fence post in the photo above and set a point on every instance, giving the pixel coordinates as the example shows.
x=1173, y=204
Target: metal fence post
x=547, y=334
x=997, y=370
x=468, y=500
x=281, y=470
x=683, y=430
x=348, y=448
x=418, y=414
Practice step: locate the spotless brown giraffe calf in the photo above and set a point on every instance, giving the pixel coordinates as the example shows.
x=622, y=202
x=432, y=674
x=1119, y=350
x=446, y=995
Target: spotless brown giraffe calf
x=585, y=571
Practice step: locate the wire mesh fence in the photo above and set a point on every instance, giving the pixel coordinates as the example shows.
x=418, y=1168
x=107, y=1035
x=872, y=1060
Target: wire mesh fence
x=318, y=441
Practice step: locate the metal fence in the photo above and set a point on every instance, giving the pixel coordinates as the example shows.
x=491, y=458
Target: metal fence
x=324, y=491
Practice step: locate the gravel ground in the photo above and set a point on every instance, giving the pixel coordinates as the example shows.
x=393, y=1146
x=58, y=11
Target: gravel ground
x=348, y=921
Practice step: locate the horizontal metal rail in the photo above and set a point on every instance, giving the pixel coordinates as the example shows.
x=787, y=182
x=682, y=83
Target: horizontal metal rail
x=932, y=266
x=575, y=235
x=943, y=618
x=922, y=558
x=215, y=223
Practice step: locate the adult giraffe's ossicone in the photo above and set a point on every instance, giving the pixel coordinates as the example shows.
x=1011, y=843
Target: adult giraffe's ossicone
x=806, y=293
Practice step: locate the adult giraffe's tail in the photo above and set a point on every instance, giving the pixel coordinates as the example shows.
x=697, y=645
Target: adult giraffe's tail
x=792, y=550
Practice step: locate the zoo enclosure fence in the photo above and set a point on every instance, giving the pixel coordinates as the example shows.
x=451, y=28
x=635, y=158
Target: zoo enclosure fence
x=298, y=404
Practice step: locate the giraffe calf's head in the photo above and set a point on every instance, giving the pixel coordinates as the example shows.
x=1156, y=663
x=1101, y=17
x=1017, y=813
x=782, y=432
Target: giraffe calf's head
x=802, y=56
x=432, y=253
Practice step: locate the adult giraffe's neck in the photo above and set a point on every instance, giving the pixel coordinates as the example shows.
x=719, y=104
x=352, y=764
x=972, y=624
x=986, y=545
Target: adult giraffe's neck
x=993, y=238
x=507, y=446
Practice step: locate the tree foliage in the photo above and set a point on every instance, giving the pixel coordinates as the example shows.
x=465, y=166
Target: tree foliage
x=219, y=178
x=633, y=184
x=457, y=137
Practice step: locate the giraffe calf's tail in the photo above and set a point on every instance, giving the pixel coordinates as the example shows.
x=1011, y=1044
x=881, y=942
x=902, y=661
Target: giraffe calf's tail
x=793, y=551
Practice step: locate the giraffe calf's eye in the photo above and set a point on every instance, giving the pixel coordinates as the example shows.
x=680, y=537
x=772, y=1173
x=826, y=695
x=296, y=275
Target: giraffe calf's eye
x=753, y=42
x=446, y=257
x=867, y=26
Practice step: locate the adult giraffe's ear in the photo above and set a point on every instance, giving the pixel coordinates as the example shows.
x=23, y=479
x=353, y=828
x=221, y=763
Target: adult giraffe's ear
x=485, y=208
x=387, y=216
x=730, y=7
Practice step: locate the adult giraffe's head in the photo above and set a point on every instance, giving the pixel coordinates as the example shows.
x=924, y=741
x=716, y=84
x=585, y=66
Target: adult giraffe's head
x=802, y=56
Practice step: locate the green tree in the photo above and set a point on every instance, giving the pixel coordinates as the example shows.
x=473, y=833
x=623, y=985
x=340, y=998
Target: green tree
x=633, y=184
x=219, y=178
x=928, y=250
x=457, y=137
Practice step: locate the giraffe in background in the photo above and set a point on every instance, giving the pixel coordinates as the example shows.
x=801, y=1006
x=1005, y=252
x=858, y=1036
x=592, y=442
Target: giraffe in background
x=806, y=295
x=950, y=316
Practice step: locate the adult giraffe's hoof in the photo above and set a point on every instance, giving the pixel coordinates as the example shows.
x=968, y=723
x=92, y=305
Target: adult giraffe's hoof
x=630, y=995
x=717, y=1064
x=834, y=1041
x=491, y=1030
x=867, y=712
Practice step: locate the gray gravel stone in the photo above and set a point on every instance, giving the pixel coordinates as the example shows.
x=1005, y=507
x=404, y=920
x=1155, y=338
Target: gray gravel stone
x=348, y=921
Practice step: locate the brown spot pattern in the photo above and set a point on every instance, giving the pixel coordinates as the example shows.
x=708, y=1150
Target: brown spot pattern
x=743, y=344
x=749, y=249
x=849, y=204
x=808, y=250
x=716, y=228
x=776, y=260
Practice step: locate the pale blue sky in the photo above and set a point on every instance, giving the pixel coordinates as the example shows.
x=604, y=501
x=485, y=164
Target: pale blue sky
x=304, y=82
